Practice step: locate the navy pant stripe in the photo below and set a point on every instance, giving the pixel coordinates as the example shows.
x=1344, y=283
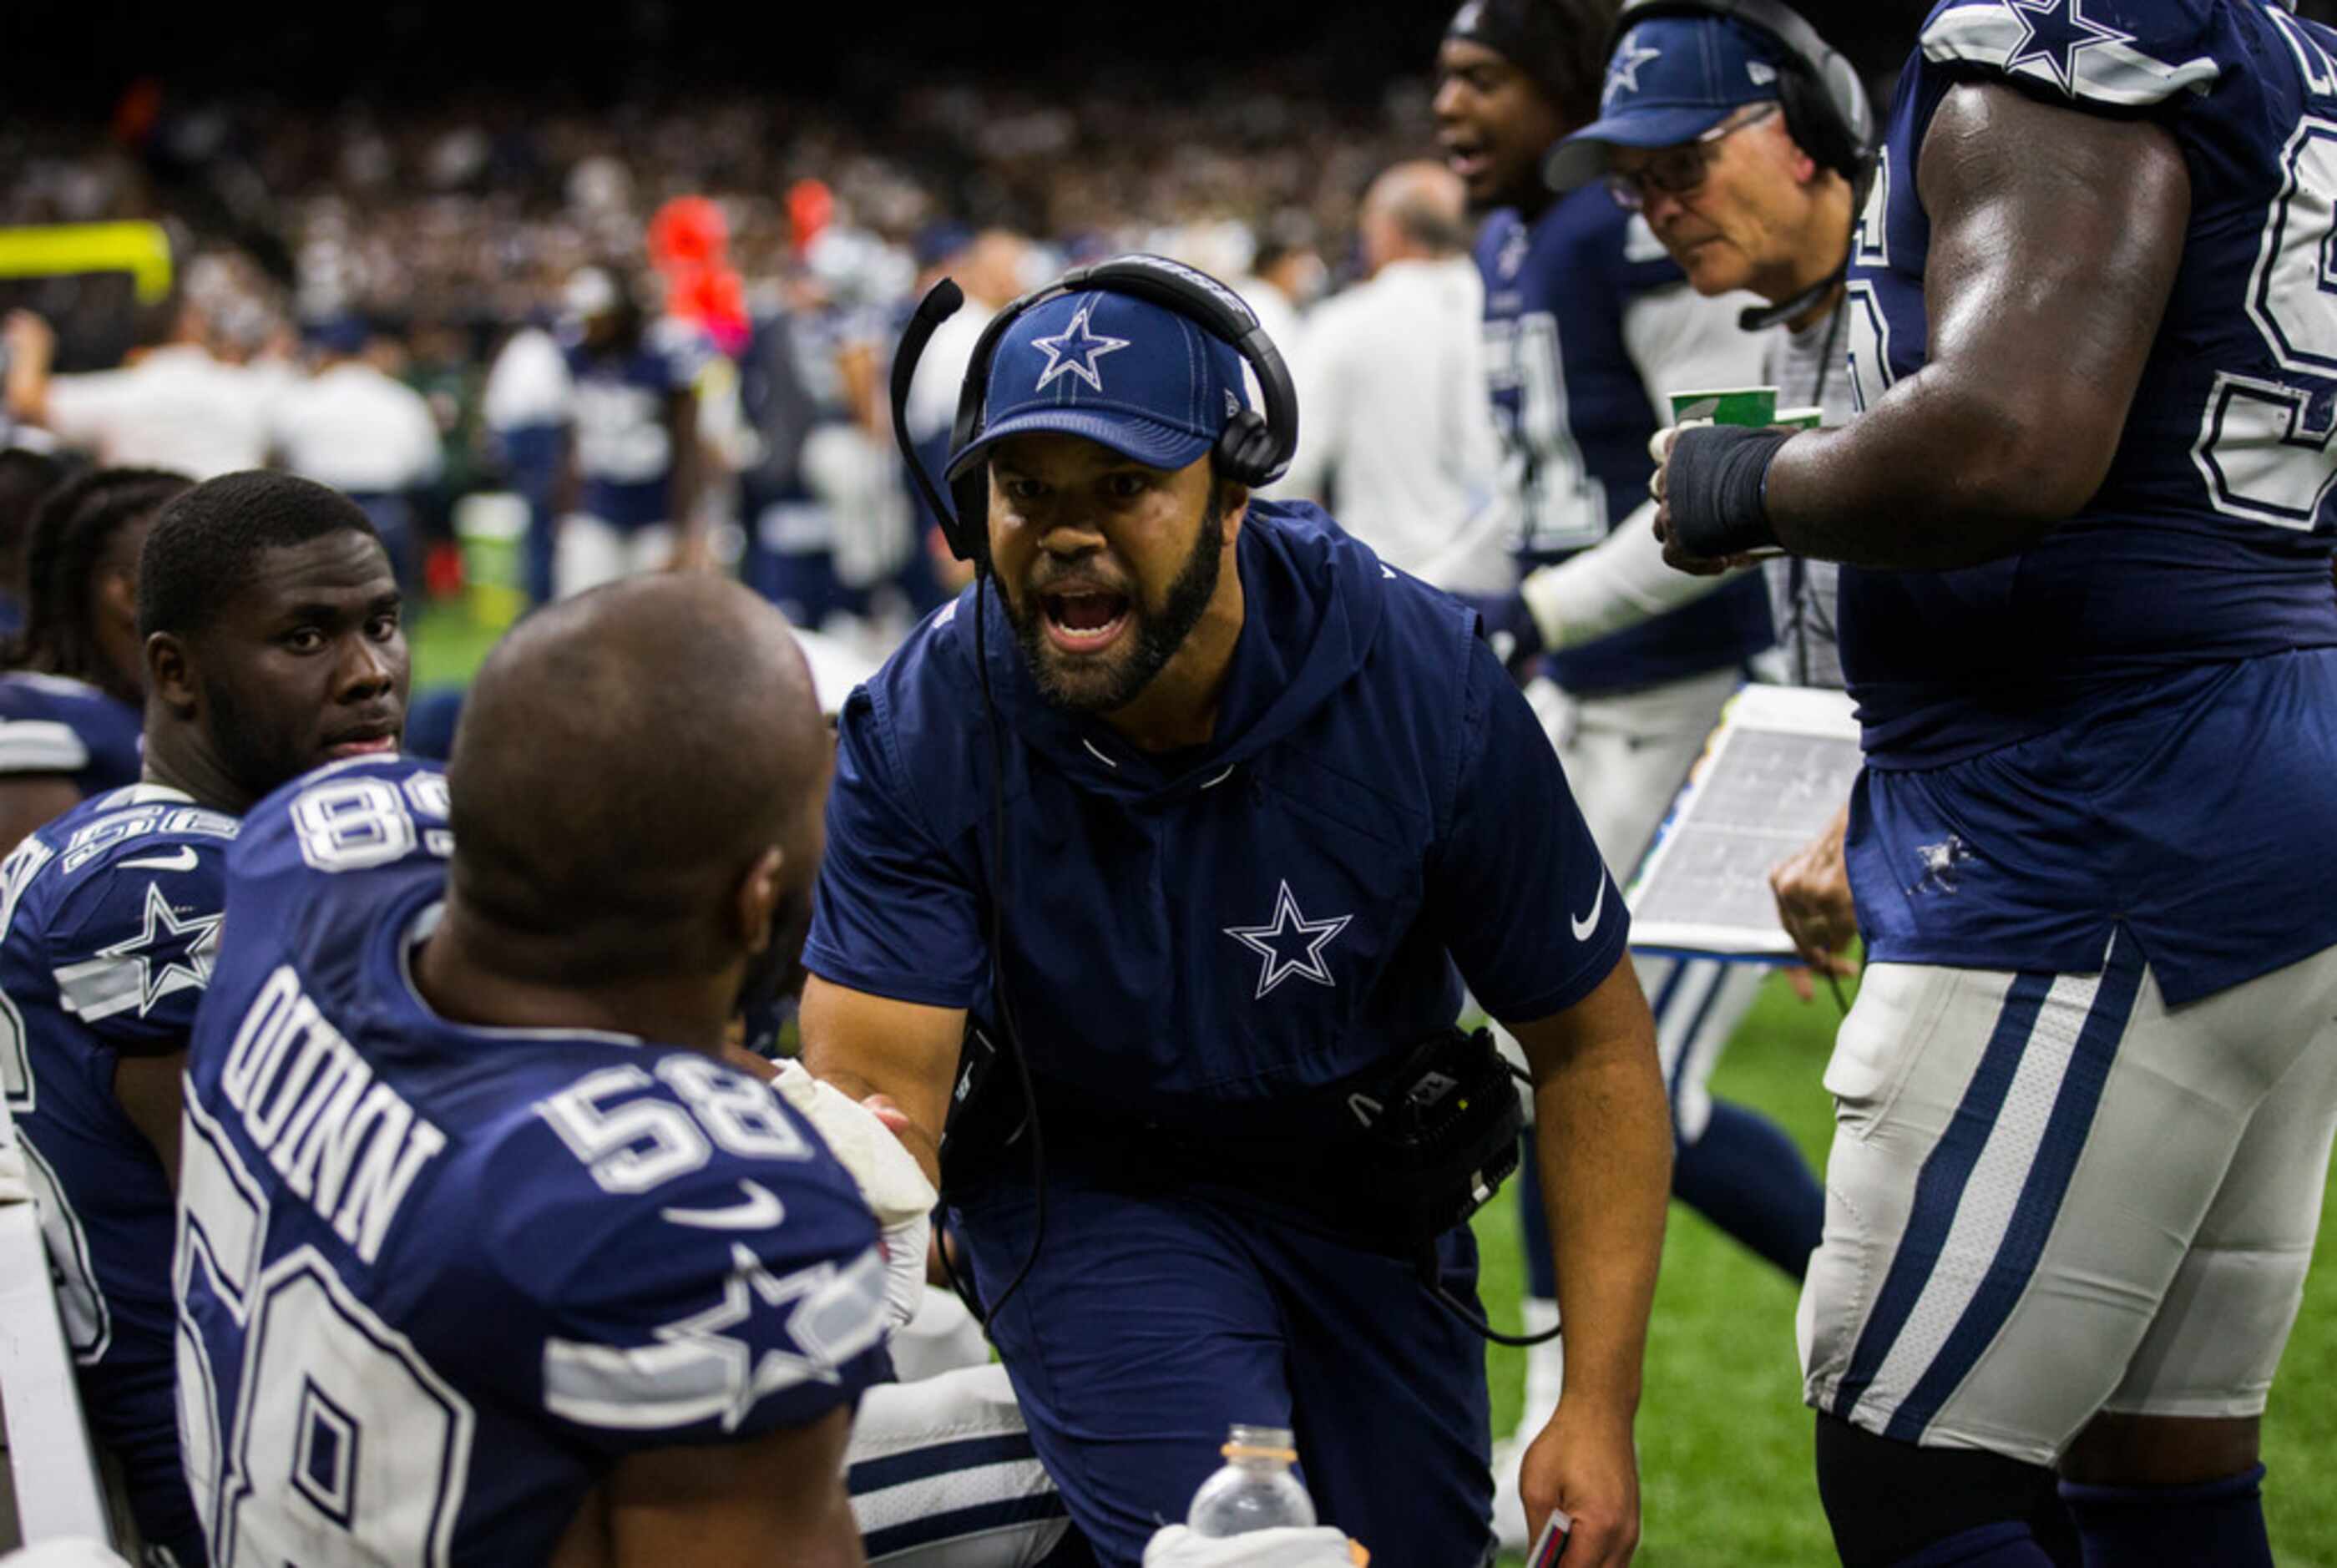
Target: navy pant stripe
x=1696, y=1028
x=1940, y=1188
x=881, y=1543
x=1680, y=966
x=2039, y=1203
x=938, y=1459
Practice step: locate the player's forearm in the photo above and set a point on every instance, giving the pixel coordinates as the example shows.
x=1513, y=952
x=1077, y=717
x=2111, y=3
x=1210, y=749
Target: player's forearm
x=2055, y=243
x=1603, y=1136
x=1942, y=473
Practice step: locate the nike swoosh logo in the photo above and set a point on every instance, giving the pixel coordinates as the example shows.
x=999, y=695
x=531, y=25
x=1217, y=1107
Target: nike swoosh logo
x=1589, y=923
x=182, y=860
x=761, y=1211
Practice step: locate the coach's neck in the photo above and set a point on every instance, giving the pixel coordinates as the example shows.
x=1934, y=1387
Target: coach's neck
x=1178, y=707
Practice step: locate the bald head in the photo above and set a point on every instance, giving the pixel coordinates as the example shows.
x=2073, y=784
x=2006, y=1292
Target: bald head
x=1417, y=210
x=625, y=760
x=993, y=270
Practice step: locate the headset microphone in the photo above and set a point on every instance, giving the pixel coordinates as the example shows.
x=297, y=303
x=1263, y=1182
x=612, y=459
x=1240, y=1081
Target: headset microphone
x=1761, y=317
x=1454, y=1135
x=941, y=302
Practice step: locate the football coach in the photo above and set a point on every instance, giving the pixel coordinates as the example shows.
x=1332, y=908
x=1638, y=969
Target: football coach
x=1177, y=948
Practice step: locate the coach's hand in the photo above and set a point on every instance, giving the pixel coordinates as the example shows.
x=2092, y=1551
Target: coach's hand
x=1813, y=901
x=1586, y=1463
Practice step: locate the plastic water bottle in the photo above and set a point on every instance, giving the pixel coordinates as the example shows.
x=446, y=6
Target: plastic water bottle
x=1255, y=1491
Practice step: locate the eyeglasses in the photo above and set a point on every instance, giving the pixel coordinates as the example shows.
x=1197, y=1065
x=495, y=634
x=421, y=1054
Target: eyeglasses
x=1679, y=170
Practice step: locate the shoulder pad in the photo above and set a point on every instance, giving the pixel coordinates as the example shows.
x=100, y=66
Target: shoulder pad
x=2118, y=54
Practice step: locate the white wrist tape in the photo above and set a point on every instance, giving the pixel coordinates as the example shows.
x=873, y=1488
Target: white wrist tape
x=890, y=1178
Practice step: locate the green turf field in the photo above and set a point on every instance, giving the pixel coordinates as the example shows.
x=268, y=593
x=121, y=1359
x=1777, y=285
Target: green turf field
x=1724, y=1440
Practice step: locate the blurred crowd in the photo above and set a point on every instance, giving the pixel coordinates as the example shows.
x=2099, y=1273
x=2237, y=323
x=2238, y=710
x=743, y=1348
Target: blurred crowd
x=442, y=251
x=471, y=215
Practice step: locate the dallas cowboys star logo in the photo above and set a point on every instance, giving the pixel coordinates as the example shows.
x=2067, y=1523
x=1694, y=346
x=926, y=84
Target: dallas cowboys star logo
x=746, y=1377
x=2054, y=33
x=1290, y=930
x=1940, y=863
x=165, y=932
x=1623, y=76
x=1074, y=352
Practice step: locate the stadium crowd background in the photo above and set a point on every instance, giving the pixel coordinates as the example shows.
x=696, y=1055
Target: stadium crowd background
x=443, y=188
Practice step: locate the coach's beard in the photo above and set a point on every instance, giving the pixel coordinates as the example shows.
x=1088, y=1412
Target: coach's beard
x=1102, y=684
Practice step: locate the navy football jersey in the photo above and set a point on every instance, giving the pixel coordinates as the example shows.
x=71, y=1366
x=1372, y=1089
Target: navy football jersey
x=1205, y=935
x=2114, y=728
x=2210, y=539
x=436, y=1279
x=624, y=450
x=110, y=915
x=1576, y=417
x=49, y=724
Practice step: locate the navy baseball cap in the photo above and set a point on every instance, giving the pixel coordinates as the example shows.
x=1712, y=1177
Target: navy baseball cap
x=1124, y=373
x=1670, y=80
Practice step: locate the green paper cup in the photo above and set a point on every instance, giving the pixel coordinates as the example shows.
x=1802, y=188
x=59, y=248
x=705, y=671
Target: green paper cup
x=1753, y=405
x=1801, y=418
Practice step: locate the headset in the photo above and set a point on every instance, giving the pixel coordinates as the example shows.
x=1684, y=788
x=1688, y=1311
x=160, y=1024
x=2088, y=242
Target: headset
x=1251, y=450
x=1447, y=1111
x=1827, y=111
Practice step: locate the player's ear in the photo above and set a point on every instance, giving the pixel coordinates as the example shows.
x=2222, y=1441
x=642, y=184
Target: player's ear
x=1233, y=504
x=119, y=590
x=758, y=900
x=170, y=674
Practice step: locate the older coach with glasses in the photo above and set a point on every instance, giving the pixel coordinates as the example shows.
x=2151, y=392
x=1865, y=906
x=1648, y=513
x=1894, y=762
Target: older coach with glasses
x=1745, y=141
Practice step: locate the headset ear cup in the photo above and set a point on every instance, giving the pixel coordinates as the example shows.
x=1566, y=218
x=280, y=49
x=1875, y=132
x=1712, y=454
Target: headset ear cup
x=1246, y=449
x=1811, y=132
x=1815, y=123
x=970, y=539
x=1854, y=112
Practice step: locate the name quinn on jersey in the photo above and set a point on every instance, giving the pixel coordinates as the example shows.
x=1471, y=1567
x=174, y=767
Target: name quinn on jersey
x=348, y=1145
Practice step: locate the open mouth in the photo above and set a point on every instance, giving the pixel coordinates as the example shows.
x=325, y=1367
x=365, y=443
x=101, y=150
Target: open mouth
x=371, y=741
x=1084, y=620
x=1467, y=159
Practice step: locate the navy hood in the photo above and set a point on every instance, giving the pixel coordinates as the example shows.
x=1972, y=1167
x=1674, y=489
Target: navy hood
x=1312, y=605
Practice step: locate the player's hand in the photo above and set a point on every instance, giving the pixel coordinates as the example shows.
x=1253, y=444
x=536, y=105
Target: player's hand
x=923, y=1145
x=1660, y=448
x=1585, y=1465
x=1813, y=902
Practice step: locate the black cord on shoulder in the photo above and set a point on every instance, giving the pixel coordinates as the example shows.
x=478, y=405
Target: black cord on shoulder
x=1009, y=1041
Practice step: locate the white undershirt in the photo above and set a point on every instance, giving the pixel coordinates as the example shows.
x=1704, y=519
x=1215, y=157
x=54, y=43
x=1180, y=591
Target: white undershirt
x=1681, y=342
x=1394, y=421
